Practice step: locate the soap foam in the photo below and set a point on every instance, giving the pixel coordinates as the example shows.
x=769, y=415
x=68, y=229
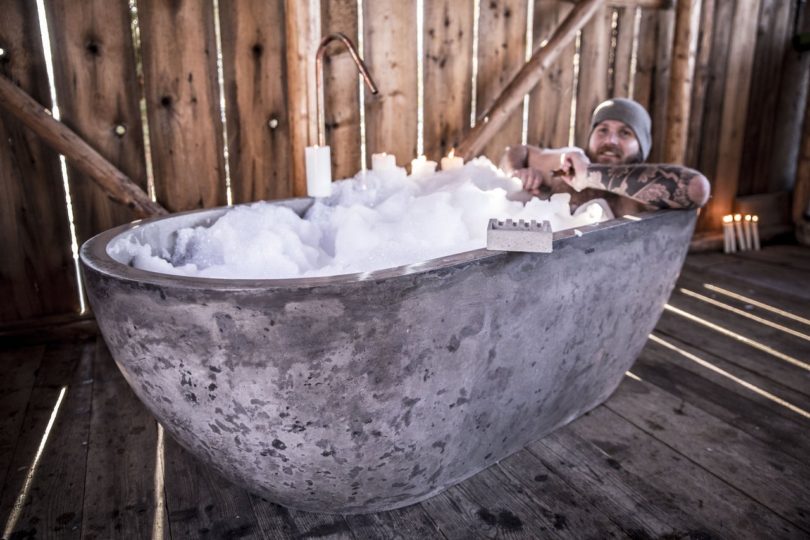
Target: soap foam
x=373, y=221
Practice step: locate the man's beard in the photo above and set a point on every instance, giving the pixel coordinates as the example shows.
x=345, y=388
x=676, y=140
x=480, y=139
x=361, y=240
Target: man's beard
x=614, y=156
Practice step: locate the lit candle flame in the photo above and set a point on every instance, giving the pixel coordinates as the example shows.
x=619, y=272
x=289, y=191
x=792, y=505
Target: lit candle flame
x=747, y=217
x=452, y=153
x=737, y=217
x=727, y=219
x=755, y=218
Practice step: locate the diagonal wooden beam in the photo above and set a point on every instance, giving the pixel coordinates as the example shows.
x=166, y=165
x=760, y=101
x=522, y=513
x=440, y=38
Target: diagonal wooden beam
x=527, y=78
x=81, y=155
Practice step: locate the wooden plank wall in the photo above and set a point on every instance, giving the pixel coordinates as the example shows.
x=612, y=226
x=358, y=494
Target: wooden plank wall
x=747, y=101
x=36, y=267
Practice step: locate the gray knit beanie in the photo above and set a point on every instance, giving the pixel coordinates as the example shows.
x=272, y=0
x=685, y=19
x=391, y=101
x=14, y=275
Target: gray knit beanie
x=632, y=114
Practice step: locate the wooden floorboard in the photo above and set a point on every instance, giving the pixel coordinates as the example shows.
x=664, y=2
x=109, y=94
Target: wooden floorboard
x=711, y=442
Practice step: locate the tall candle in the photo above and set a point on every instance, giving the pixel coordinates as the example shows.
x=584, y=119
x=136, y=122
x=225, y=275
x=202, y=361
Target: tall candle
x=755, y=231
x=319, y=171
x=383, y=162
x=747, y=231
x=738, y=228
x=729, y=246
x=422, y=167
x=452, y=161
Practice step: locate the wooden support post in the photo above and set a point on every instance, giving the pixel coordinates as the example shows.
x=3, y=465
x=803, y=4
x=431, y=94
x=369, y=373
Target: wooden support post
x=527, y=78
x=303, y=27
x=687, y=24
x=81, y=155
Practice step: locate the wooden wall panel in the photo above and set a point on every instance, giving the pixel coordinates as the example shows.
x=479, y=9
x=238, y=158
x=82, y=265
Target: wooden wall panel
x=703, y=75
x=36, y=270
x=592, y=87
x=389, y=32
x=254, y=64
x=98, y=93
x=658, y=104
x=735, y=107
x=774, y=33
x=622, y=56
x=501, y=53
x=645, y=59
x=550, y=102
x=182, y=99
x=341, y=94
x=448, y=36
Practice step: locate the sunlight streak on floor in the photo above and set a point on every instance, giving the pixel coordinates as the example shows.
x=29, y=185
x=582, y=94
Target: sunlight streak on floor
x=758, y=304
x=160, y=501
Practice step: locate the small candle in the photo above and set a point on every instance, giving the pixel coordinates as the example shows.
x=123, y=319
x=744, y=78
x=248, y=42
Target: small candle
x=422, y=167
x=729, y=246
x=452, y=161
x=747, y=231
x=738, y=229
x=383, y=162
x=755, y=231
x=319, y=170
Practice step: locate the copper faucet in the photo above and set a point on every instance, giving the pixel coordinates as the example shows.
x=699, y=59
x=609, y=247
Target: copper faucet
x=361, y=66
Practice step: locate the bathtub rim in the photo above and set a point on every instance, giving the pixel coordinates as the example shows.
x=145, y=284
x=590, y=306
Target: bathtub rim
x=93, y=254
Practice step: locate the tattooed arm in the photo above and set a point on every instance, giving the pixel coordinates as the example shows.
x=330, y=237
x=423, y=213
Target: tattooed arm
x=664, y=186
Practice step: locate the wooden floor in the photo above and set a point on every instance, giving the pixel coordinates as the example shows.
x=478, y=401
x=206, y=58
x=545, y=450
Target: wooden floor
x=708, y=437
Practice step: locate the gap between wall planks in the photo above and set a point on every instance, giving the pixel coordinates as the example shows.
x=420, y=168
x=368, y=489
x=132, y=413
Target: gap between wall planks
x=97, y=91
x=550, y=101
x=36, y=271
x=501, y=54
x=390, y=52
x=735, y=107
x=341, y=92
x=448, y=34
x=256, y=101
x=182, y=101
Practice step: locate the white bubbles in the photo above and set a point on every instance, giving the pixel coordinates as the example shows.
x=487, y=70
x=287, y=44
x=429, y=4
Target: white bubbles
x=375, y=220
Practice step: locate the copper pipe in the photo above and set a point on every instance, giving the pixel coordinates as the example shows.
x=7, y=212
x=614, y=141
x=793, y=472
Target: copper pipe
x=361, y=67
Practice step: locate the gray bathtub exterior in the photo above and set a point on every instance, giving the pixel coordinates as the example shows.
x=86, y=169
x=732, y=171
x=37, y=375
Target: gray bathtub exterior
x=374, y=391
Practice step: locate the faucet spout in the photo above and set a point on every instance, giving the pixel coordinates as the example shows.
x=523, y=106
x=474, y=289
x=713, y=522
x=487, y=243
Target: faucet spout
x=361, y=67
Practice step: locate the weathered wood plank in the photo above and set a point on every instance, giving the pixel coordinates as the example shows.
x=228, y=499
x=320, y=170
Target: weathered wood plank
x=734, y=116
x=200, y=503
x=645, y=59
x=98, y=93
x=773, y=480
x=36, y=273
x=601, y=481
x=774, y=30
x=577, y=518
x=774, y=425
x=789, y=281
x=797, y=257
x=592, y=88
x=550, y=102
x=408, y=522
x=622, y=55
x=685, y=486
x=448, y=74
x=254, y=64
x=119, y=500
x=182, y=102
x=276, y=521
x=341, y=94
x=53, y=503
x=660, y=97
x=20, y=367
x=501, y=53
x=389, y=32
x=703, y=69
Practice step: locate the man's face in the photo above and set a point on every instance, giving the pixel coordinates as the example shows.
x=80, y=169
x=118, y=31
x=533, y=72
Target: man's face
x=612, y=143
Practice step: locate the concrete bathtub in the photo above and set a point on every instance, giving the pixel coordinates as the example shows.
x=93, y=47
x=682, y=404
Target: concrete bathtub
x=368, y=392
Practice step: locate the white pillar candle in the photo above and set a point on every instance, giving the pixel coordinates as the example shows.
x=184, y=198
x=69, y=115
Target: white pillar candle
x=452, y=161
x=729, y=246
x=319, y=171
x=738, y=229
x=422, y=167
x=383, y=162
x=755, y=231
x=747, y=230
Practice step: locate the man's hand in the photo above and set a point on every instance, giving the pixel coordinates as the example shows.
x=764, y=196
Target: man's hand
x=574, y=168
x=514, y=159
x=532, y=179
